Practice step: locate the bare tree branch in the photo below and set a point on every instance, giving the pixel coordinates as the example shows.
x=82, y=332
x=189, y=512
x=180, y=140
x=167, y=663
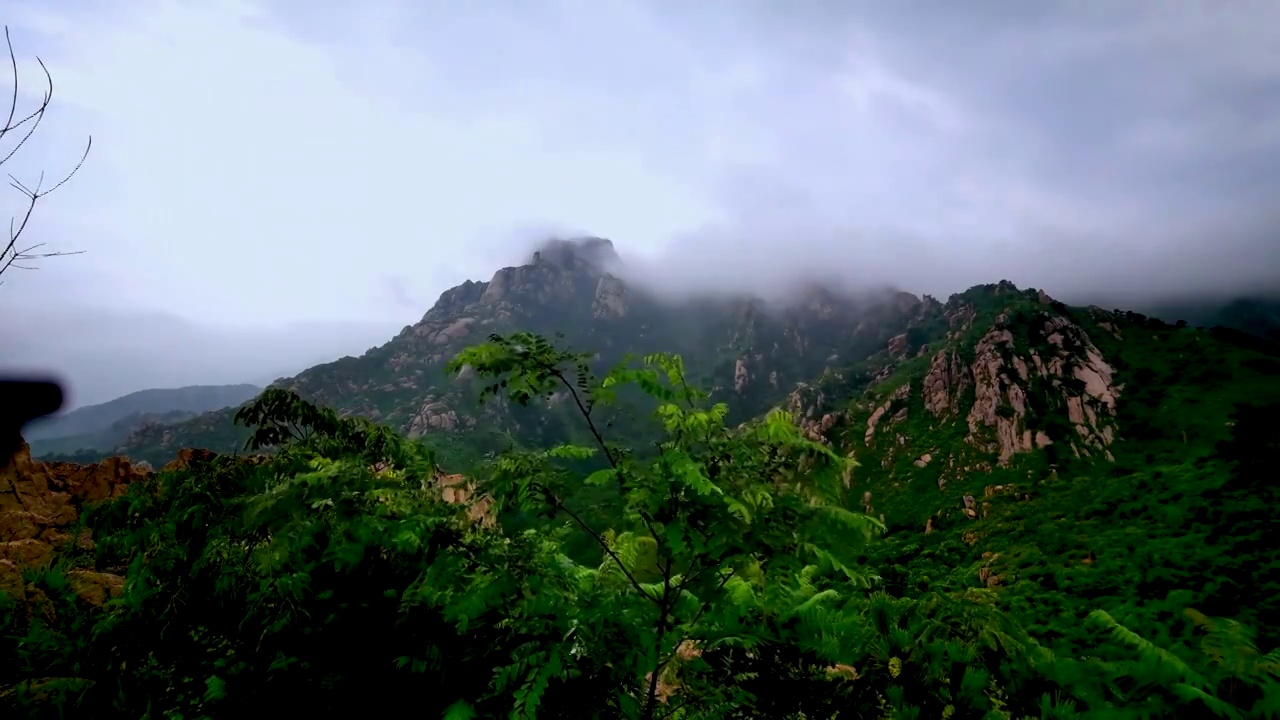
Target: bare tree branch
x=15, y=255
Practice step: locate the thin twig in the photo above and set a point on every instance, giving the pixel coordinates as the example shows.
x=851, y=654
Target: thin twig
x=559, y=505
x=599, y=438
x=12, y=255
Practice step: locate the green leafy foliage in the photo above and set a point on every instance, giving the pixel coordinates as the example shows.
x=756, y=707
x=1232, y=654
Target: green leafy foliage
x=1176, y=522
x=719, y=537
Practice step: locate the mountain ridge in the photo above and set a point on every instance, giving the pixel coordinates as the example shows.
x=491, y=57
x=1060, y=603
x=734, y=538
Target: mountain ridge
x=751, y=352
x=567, y=287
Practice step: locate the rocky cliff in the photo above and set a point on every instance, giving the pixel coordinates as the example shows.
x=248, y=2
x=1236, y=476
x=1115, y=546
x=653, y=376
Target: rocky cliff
x=1022, y=385
x=998, y=384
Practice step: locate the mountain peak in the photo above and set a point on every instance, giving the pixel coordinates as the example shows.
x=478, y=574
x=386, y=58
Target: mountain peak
x=570, y=253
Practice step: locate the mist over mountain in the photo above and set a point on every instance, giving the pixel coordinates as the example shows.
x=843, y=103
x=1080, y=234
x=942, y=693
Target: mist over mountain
x=103, y=354
x=750, y=347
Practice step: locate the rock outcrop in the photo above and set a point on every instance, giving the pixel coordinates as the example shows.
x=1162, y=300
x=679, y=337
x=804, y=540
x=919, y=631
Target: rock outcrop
x=945, y=383
x=1091, y=403
x=960, y=319
x=611, y=298
x=39, y=505
x=899, y=395
x=808, y=404
x=435, y=415
x=1064, y=366
x=1030, y=380
x=189, y=457
x=999, y=403
x=456, y=489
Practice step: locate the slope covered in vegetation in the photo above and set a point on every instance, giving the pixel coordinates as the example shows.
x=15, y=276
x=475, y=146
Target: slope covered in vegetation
x=986, y=543
x=1081, y=468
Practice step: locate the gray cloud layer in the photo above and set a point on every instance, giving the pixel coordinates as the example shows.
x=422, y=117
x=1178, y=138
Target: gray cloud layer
x=1126, y=148
x=270, y=161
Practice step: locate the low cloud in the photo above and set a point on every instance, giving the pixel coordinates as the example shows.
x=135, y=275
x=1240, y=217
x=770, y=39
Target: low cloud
x=1091, y=149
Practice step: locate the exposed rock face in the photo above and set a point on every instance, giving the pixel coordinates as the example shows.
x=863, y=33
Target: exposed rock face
x=1093, y=410
x=945, y=383
x=188, y=457
x=898, y=344
x=998, y=401
x=553, y=274
x=1078, y=378
x=457, y=490
x=741, y=376
x=960, y=319
x=902, y=393
x=808, y=404
x=456, y=299
x=435, y=415
x=610, y=300
x=452, y=332
x=39, y=503
x=1027, y=383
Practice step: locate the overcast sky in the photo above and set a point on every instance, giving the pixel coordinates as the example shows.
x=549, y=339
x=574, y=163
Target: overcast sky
x=259, y=162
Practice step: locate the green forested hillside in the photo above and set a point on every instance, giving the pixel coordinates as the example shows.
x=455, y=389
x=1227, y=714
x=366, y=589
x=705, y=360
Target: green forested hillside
x=1169, y=515
x=994, y=507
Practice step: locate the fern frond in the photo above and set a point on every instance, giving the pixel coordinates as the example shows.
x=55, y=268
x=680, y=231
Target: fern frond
x=1190, y=694
x=1148, y=651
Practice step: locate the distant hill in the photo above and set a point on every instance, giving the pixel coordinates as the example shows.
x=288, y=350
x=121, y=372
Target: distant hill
x=105, y=426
